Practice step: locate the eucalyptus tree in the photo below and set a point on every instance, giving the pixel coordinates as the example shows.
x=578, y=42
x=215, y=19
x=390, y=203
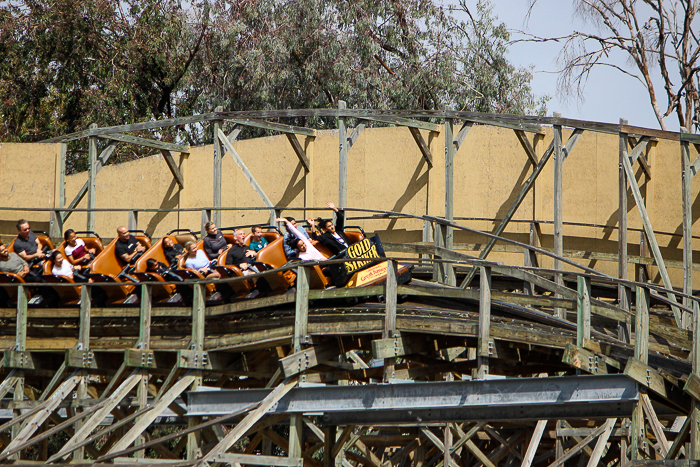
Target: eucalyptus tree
x=67, y=64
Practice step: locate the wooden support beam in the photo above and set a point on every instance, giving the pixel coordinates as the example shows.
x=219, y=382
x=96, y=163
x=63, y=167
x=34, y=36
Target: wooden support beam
x=101, y=162
x=252, y=418
x=282, y=128
x=648, y=377
x=174, y=169
x=301, y=313
x=85, y=313
x=583, y=310
x=149, y=143
x=49, y=406
x=342, y=159
x=255, y=459
x=678, y=443
x=571, y=142
x=559, y=155
x=534, y=443
x=656, y=426
x=329, y=437
x=622, y=241
x=527, y=146
x=396, y=347
x=694, y=415
x=56, y=221
x=92, y=180
x=638, y=151
x=461, y=135
x=641, y=327
x=636, y=431
x=590, y=362
x=449, y=197
x=110, y=403
x=48, y=433
x=401, y=121
x=484, y=342
x=687, y=205
x=299, y=151
x=158, y=408
x=144, y=342
x=422, y=145
x=248, y=175
x=651, y=237
x=447, y=441
x=218, y=170
x=580, y=445
x=439, y=444
x=466, y=440
x=390, y=316
x=355, y=133
x=391, y=300
x=602, y=442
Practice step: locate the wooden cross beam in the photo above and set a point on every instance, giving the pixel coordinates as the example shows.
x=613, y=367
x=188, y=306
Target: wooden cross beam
x=248, y=175
x=112, y=401
x=422, y=145
x=101, y=161
x=525, y=143
x=438, y=443
x=656, y=427
x=174, y=169
x=274, y=126
x=602, y=442
x=149, y=143
x=49, y=406
x=234, y=435
x=519, y=199
x=408, y=122
x=461, y=135
x=584, y=442
x=158, y=408
x=299, y=151
x=651, y=237
x=637, y=153
x=47, y=434
x=695, y=166
x=534, y=443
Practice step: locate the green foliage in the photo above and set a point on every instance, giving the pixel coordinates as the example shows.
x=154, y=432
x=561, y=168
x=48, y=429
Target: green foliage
x=65, y=65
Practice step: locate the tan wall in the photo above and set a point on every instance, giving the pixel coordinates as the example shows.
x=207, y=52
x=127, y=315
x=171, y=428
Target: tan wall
x=386, y=172
x=27, y=179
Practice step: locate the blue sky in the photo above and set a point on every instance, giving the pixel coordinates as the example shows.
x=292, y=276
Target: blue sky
x=609, y=94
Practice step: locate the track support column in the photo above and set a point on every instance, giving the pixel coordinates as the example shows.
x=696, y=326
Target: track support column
x=218, y=158
x=342, y=159
x=558, y=208
x=448, y=233
x=92, y=179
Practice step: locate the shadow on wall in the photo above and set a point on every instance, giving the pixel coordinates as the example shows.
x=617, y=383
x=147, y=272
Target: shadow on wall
x=416, y=184
x=171, y=200
x=293, y=189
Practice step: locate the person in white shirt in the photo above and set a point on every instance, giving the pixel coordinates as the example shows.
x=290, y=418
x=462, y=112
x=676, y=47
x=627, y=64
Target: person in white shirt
x=61, y=267
x=196, y=259
x=306, y=250
x=77, y=253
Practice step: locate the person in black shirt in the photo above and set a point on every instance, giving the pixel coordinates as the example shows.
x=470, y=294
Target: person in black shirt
x=173, y=251
x=127, y=248
x=27, y=245
x=156, y=267
x=214, y=242
x=240, y=255
x=333, y=238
